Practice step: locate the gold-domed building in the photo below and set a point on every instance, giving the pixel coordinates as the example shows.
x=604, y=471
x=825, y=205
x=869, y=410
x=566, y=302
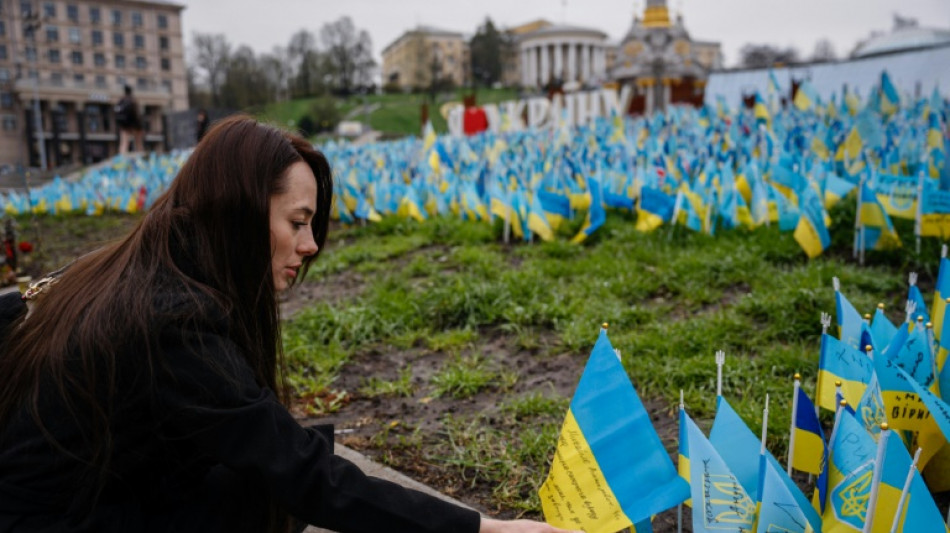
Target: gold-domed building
x=662, y=63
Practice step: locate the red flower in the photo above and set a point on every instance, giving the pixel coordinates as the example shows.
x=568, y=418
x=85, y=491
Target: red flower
x=25, y=247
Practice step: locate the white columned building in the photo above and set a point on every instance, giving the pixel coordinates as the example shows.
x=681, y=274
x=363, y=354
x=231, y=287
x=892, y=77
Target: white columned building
x=561, y=54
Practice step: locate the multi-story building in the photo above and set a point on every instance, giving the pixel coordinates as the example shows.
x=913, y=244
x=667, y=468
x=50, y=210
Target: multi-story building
x=661, y=62
x=71, y=59
x=424, y=54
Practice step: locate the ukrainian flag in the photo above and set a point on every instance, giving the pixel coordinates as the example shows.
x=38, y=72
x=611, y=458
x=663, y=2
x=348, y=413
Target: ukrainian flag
x=890, y=98
x=879, y=232
x=809, y=453
x=850, y=472
x=682, y=463
x=811, y=233
x=915, y=356
x=537, y=222
x=610, y=469
x=911, y=407
x=941, y=292
x=935, y=215
x=806, y=97
x=720, y=503
x=656, y=207
x=841, y=362
x=882, y=329
x=557, y=207
x=740, y=448
x=934, y=132
x=836, y=188
x=920, y=512
x=780, y=505
x=595, y=215
x=870, y=410
x=411, y=207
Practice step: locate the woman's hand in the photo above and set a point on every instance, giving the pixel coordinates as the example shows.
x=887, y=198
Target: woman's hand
x=490, y=525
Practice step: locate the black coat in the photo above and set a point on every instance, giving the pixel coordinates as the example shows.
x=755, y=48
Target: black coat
x=197, y=445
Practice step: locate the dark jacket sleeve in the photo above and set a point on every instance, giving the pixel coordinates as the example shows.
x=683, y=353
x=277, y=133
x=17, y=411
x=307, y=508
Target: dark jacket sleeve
x=210, y=400
x=12, y=307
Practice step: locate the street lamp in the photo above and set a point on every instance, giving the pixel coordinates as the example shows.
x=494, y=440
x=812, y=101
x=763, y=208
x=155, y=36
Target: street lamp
x=32, y=23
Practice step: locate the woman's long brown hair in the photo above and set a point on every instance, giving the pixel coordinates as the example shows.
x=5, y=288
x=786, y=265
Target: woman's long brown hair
x=209, y=234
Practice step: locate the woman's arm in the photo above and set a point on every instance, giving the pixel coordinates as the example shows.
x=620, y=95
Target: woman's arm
x=209, y=401
x=490, y=525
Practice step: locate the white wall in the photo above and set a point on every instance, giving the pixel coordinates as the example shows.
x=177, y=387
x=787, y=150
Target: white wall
x=930, y=68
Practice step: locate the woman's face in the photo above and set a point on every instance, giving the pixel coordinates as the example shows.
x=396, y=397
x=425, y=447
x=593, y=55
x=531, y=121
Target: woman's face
x=291, y=212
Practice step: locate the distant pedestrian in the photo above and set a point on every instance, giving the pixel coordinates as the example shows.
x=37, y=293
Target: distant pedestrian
x=201, y=125
x=129, y=123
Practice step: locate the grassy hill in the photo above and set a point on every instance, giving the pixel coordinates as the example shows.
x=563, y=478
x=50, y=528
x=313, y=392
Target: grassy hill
x=392, y=114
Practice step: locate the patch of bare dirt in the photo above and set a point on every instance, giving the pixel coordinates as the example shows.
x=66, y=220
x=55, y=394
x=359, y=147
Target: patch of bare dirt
x=381, y=427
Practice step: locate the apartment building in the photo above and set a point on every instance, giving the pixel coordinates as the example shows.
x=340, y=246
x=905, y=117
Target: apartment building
x=424, y=53
x=71, y=59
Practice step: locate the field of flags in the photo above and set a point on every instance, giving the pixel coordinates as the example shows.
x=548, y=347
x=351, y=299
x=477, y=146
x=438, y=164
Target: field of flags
x=887, y=386
x=709, y=169
x=121, y=185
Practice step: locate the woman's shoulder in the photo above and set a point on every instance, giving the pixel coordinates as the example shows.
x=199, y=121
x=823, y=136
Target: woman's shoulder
x=178, y=302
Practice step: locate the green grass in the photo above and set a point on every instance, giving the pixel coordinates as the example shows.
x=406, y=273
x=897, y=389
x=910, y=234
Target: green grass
x=400, y=387
x=396, y=114
x=671, y=299
x=463, y=377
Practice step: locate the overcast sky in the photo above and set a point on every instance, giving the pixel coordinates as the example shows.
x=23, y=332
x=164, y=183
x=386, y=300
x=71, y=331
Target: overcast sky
x=263, y=24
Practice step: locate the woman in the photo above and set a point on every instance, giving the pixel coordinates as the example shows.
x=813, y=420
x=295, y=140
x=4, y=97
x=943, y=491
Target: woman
x=142, y=391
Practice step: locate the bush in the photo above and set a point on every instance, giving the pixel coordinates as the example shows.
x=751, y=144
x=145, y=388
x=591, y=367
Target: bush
x=325, y=114
x=306, y=126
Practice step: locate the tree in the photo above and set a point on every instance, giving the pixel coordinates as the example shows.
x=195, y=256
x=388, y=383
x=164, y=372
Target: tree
x=349, y=52
x=824, y=52
x=211, y=56
x=488, y=50
x=246, y=83
x=304, y=64
x=766, y=55
x=276, y=66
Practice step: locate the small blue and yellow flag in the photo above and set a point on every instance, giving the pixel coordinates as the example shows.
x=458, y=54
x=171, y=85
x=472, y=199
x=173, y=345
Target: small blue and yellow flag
x=890, y=98
x=854, y=331
x=840, y=362
x=811, y=233
x=907, y=409
x=537, y=222
x=682, y=462
x=809, y=453
x=781, y=505
x=720, y=503
x=850, y=472
x=610, y=469
x=935, y=215
x=740, y=449
x=557, y=207
x=882, y=329
x=941, y=292
x=920, y=512
x=879, y=232
x=915, y=356
x=595, y=214
x=806, y=96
